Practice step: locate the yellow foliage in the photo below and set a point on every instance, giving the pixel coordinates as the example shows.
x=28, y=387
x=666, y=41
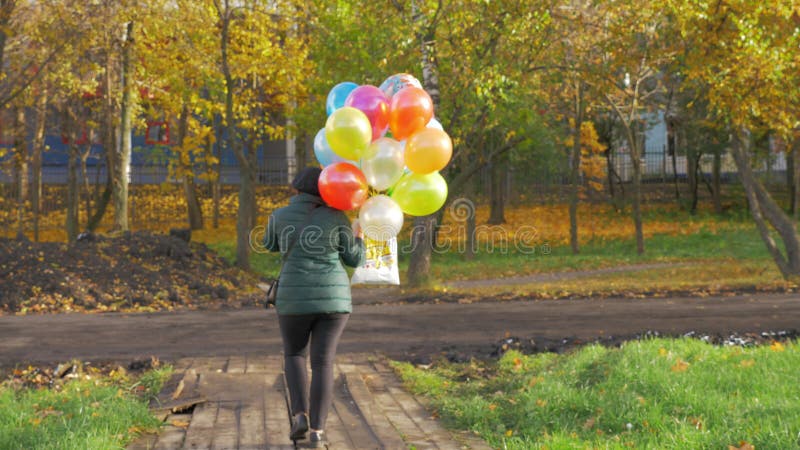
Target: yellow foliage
x=593, y=164
x=550, y=224
x=151, y=207
x=777, y=347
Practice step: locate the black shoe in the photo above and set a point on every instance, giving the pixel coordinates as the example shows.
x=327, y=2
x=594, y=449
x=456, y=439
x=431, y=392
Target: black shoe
x=318, y=440
x=299, y=427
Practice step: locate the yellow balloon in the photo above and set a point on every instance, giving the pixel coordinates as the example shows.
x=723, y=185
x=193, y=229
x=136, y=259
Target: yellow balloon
x=348, y=132
x=428, y=150
x=420, y=194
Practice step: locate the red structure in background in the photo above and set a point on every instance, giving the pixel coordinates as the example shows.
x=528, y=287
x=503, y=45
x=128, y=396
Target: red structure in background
x=157, y=133
x=83, y=139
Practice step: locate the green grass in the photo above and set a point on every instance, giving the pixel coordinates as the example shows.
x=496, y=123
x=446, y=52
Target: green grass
x=728, y=243
x=743, y=243
x=87, y=413
x=660, y=393
x=267, y=264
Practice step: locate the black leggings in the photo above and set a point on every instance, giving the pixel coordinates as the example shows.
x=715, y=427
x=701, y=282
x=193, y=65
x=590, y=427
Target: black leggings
x=324, y=331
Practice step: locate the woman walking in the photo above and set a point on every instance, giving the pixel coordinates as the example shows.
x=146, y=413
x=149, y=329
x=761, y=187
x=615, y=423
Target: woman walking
x=313, y=299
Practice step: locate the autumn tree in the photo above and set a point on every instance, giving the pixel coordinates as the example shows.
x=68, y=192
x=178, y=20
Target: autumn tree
x=635, y=47
x=572, y=60
x=38, y=38
x=485, y=55
x=476, y=59
x=176, y=84
x=262, y=64
x=745, y=55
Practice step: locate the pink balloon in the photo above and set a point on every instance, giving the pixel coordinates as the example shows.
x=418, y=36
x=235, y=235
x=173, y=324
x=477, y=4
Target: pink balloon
x=374, y=104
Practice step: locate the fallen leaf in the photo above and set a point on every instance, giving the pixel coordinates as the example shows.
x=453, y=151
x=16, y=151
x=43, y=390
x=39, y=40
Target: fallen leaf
x=180, y=423
x=178, y=391
x=680, y=366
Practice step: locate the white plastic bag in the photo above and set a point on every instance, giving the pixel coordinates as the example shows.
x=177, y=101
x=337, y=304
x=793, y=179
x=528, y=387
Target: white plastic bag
x=381, y=264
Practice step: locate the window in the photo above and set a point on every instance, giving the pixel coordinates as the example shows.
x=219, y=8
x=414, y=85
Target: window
x=157, y=133
x=83, y=139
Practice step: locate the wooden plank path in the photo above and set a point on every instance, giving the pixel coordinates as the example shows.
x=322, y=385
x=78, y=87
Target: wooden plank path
x=242, y=406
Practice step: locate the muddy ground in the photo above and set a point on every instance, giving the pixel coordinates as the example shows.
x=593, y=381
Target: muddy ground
x=415, y=332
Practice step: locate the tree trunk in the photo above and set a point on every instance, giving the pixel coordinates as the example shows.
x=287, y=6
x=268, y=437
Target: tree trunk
x=251, y=151
x=193, y=210
x=422, y=235
x=675, y=170
x=243, y=219
x=215, y=183
x=716, y=194
x=637, y=189
x=575, y=167
x=72, y=191
x=86, y=188
x=23, y=183
x=124, y=154
x=692, y=159
x=497, y=189
x=617, y=199
x=38, y=148
x=110, y=142
x=470, y=246
x=766, y=212
x=795, y=156
x=244, y=216
x=791, y=181
x=100, y=207
x=6, y=11
x=610, y=175
x=422, y=245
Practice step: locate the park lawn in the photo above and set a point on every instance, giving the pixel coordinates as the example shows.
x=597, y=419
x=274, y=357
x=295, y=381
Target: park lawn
x=658, y=393
x=93, y=411
x=696, y=278
x=729, y=258
x=732, y=243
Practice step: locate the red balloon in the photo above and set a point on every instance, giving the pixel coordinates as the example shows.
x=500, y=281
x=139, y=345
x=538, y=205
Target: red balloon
x=374, y=104
x=343, y=186
x=410, y=111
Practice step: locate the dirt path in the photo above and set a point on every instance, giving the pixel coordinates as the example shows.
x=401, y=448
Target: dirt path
x=398, y=330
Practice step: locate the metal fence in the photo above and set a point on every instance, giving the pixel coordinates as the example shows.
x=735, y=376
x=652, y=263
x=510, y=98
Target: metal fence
x=157, y=200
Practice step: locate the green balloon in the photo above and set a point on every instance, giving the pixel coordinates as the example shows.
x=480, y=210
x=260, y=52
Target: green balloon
x=420, y=194
x=348, y=132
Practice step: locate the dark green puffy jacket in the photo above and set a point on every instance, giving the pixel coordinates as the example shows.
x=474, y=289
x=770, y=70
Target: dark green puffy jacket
x=313, y=279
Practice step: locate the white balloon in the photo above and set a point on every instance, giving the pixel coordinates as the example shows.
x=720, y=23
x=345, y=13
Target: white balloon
x=434, y=123
x=385, y=168
x=381, y=218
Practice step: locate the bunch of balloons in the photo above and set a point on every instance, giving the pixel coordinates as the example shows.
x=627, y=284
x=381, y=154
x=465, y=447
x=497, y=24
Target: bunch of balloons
x=381, y=151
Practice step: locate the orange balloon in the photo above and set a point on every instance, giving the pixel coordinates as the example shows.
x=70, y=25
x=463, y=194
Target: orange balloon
x=410, y=111
x=428, y=150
